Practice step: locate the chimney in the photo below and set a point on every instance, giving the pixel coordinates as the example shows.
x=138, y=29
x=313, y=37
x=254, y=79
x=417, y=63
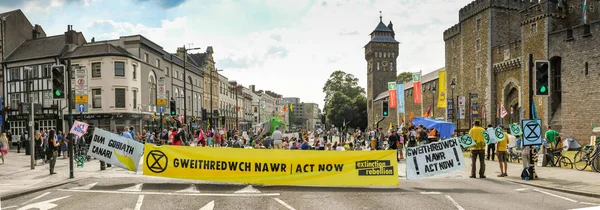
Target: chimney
x=69, y=35
x=180, y=52
x=93, y=39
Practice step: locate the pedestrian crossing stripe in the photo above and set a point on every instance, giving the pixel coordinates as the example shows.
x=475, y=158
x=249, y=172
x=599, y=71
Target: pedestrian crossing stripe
x=192, y=189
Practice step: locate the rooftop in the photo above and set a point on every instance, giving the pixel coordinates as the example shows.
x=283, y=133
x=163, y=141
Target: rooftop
x=38, y=48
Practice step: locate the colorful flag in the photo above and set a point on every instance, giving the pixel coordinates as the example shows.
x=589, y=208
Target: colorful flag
x=427, y=113
x=502, y=111
x=392, y=99
x=400, y=96
x=291, y=107
x=391, y=127
x=483, y=111
x=442, y=93
x=417, y=87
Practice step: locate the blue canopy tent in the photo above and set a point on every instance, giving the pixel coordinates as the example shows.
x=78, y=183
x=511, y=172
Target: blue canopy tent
x=444, y=128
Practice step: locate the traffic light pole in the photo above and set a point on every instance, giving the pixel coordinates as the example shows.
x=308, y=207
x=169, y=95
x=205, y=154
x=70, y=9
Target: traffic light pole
x=70, y=122
x=531, y=164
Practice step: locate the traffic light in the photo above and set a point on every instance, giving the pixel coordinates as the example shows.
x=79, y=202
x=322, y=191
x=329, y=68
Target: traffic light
x=204, y=116
x=385, y=108
x=173, y=107
x=542, y=78
x=58, y=82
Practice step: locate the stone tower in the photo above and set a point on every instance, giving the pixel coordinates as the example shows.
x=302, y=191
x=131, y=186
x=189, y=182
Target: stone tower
x=381, y=53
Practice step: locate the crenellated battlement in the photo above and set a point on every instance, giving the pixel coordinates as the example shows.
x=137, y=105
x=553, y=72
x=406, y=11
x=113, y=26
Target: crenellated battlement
x=478, y=6
x=451, y=32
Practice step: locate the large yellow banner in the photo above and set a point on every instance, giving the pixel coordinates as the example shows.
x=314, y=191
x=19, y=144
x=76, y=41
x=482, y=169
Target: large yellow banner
x=442, y=93
x=273, y=167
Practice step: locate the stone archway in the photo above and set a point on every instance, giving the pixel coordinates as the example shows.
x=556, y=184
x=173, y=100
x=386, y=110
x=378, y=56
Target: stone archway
x=511, y=100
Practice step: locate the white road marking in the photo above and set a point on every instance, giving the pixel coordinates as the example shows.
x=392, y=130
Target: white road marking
x=455, y=203
x=138, y=204
x=10, y=207
x=166, y=193
x=247, y=189
x=586, y=203
x=40, y=196
x=44, y=205
x=558, y=196
x=588, y=208
x=284, y=204
x=209, y=206
x=430, y=193
x=135, y=188
x=191, y=189
x=522, y=189
x=85, y=187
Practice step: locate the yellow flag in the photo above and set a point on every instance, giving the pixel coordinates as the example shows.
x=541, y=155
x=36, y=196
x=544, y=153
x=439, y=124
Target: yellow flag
x=291, y=107
x=442, y=93
x=391, y=126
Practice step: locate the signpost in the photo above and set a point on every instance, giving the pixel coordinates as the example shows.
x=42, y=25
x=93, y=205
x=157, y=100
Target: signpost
x=81, y=89
x=161, y=98
x=532, y=132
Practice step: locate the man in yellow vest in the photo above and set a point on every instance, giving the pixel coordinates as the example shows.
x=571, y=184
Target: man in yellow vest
x=477, y=150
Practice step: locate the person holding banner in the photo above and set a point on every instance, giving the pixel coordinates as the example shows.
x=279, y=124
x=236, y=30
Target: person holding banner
x=53, y=149
x=477, y=150
x=502, y=153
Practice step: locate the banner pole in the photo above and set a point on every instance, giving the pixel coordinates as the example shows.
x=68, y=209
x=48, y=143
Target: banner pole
x=421, y=81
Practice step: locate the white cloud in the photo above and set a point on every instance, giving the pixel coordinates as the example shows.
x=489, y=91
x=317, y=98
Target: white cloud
x=293, y=57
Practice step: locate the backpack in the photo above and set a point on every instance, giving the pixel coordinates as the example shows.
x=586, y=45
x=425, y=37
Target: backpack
x=528, y=173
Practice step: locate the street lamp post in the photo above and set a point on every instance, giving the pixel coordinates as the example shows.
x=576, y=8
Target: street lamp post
x=185, y=84
x=212, y=115
x=433, y=102
x=453, y=85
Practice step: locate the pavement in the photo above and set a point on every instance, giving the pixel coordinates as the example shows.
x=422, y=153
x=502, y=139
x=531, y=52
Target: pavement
x=22, y=188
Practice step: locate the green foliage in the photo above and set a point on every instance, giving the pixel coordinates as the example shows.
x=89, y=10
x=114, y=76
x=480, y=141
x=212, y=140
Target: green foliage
x=345, y=100
x=404, y=77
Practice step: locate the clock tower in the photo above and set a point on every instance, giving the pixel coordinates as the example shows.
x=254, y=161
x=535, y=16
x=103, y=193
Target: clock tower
x=381, y=53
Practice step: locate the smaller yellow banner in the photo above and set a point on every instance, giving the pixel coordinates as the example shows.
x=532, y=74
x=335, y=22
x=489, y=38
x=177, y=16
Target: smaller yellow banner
x=81, y=99
x=442, y=93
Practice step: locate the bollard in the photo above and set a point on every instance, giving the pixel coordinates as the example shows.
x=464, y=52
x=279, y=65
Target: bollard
x=102, y=166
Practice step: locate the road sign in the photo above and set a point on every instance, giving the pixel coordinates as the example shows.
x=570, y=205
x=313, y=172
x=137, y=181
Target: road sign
x=161, y=102
x=81, y=107
x=81, y=85
x=161, y=91
x=79, y=99
x=160, y=109
x=532, y=132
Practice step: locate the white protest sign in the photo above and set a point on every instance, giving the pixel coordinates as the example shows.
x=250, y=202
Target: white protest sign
x=434, y=159
x=116, y=150
x=79, y=128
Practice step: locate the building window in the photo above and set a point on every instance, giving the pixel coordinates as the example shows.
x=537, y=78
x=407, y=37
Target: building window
x=453, y=43
x=134, y=71
x=146, y=57
x=135, y=99
x=157, y=63
x=167, y=71
x=478, y=45
x=478, y=74
x=152, y=84
x=15, y=99
x=478, y=23
x=586, y=69
x=47, y=98
x=176, y=74
x=96, y=70
x=533, y=27
x=15, y=74
x=97, y=98
x=119, y=69
x=119, y=97
x=46, y=70
x=453, y=61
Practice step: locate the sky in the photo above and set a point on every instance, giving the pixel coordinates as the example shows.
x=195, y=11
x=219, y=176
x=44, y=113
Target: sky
x=287, y=46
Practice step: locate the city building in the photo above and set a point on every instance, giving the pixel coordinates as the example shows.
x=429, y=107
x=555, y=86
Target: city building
x=15, y=29
x=381, y=53
x=307, y=115
x=247, y=109
x=211, y=83
x=226, y=103
x=28, y=76
x=488, y=53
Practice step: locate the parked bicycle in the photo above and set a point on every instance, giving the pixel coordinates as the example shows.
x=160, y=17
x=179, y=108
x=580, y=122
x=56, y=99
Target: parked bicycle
x=586, y=156
x=557, y=159
x=513, y=156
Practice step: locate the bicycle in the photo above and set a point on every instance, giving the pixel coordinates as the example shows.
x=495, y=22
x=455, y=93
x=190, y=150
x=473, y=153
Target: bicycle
x=557, y=159
x=513, y=155
x=585, y=157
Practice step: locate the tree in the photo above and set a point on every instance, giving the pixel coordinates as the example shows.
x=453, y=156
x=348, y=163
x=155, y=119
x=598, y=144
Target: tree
x=404, y=77
x=343, y=82
x=345, y=100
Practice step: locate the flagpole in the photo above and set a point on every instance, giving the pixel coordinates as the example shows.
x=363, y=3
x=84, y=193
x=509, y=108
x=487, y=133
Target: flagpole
x=420, y=80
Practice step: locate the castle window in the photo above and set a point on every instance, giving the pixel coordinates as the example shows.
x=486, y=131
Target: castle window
x=592, y=7
x=586, y=69
x=477, y=45
x=478, y=74
x=453, y=43
x=533, y=27
x=478, y=23
x=453, y=61
x=571, y=8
